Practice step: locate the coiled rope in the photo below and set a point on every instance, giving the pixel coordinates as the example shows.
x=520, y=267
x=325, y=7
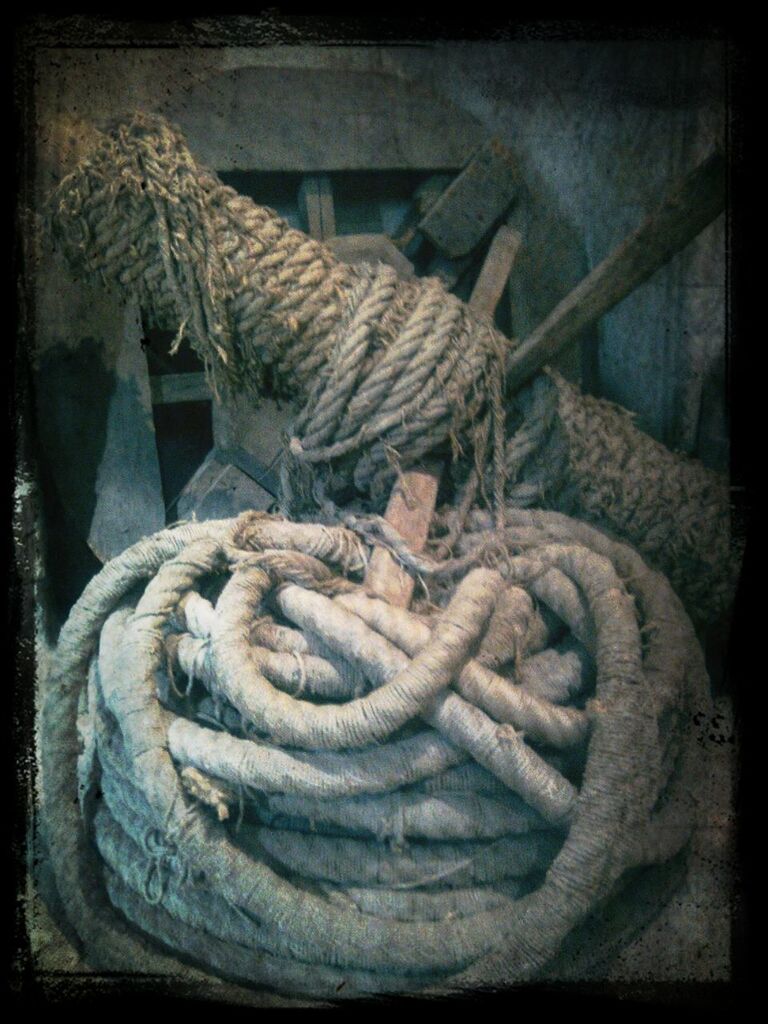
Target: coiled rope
x=382, y=370
x=289, y=782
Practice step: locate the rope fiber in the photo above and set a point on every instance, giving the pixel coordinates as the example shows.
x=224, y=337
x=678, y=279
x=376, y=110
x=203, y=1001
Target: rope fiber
x=393, y=837
x=382, y=371
x=253, y=764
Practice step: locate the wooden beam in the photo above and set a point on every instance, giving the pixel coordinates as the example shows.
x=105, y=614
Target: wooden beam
x=129, y=494
x=412, y=501
x=481, y=194
x=370, y=248
x=168, y=388
x=280, y=118
x=219, y=490
x=409, y=510
x=690, y=206
x=316, y=206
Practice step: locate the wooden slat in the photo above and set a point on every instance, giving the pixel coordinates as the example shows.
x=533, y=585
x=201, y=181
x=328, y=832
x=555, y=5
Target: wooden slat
x=316, y=205
x=409, y=510
x=691, y=205
x=371, y=248
x=495, y=271
x=129, y=496
x=321, y=119
x=168, y=388
x=476, y=198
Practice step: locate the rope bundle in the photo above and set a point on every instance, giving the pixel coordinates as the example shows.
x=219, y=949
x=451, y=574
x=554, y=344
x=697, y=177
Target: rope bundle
x=390, y=368
x=289, y=782
x=382, y=370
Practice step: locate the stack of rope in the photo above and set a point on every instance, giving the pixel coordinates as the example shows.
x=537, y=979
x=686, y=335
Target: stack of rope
x=382, y=371
x=286, y=780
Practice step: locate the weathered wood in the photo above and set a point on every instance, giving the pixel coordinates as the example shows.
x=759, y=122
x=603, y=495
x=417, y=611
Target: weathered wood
x=168, y=388
x=265, y=475
x=412, y=501
x=409, y=510
x=321, y=119
x=258, y=428
x=476, y=198
x=424, y=198
x=691, y=205
x=220, y=490
x=316, y=206
x=129, y=495
x=370, y=249
x=495, y=271
x=449, y=272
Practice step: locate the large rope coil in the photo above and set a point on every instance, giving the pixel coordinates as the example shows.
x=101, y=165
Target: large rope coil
x=252, y=763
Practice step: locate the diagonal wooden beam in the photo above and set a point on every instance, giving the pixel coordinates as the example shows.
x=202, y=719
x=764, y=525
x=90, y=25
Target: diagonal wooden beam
x=690, y=206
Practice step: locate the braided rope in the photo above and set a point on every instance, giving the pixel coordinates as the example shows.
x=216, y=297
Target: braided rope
x=411, y=834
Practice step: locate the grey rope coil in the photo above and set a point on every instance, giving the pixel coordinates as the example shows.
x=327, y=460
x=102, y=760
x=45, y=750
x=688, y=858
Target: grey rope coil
x=448, y=788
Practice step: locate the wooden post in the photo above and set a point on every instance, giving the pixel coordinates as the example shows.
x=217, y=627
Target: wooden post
x=691, y=205
x=412, y=501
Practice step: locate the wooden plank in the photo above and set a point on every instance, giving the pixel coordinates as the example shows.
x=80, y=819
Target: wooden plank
x=219, y=490
x=495, y=271
x=690, y=206
x=316, y=206
x=424, y=198
x=412, y=501
x=265, y=475
x=476, y=198
x=371, y=248
x=409, y=510
x=310, y=120
x=251, y=435
x=168, y=388
x=129, y=495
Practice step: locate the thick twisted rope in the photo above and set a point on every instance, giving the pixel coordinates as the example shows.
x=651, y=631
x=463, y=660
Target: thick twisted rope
x=384, y=366
x=383, y=371
x=347, y=798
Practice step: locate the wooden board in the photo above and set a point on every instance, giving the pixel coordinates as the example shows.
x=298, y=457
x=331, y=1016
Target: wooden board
x=169, y=388
x=477, y=198
x=250, y=435
x=321, y=119
x=219, y=490
x=370, y=249
x=316, y=206
x=129, y=502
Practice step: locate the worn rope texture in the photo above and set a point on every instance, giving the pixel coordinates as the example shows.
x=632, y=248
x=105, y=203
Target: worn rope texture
x=280, y=777
x=583, y=456
x=384, y=371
